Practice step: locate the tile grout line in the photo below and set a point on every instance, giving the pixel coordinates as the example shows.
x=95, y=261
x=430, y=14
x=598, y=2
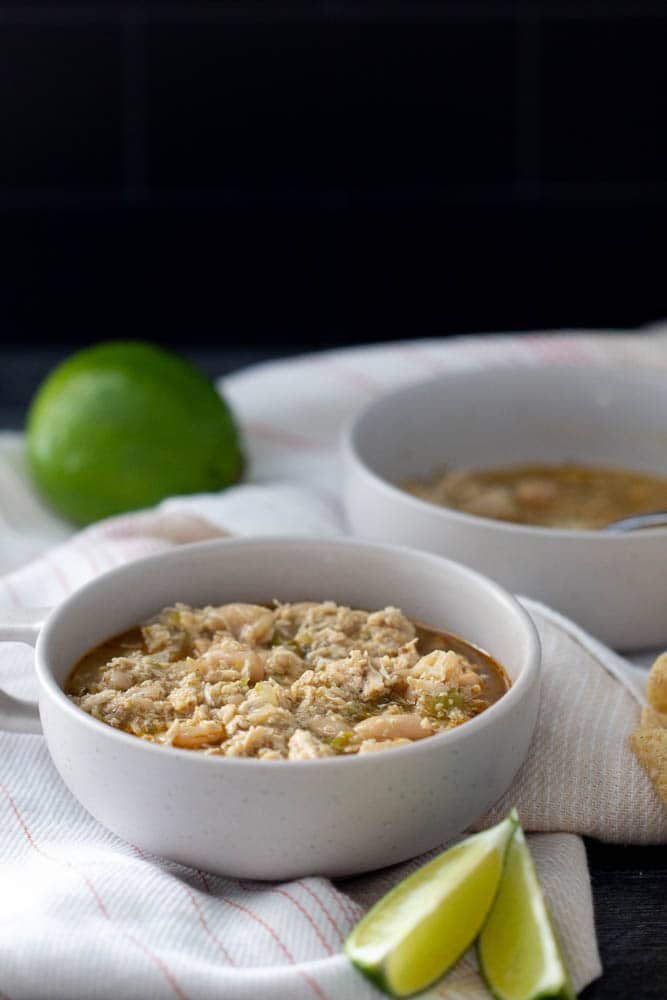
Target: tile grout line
x=134, y=102
x=527, y=183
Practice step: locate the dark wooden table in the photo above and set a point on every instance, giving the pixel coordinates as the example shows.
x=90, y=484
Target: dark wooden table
x=629, y=883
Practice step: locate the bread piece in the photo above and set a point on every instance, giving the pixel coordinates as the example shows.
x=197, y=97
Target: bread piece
x=650, y=748
x=656, y=685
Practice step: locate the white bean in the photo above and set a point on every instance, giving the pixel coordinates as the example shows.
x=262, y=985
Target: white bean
x=370, y=746
x=192, y=735
x=408, y=726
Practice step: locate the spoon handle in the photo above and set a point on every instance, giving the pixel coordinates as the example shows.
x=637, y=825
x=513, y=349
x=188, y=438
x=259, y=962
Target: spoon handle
x=656, y=519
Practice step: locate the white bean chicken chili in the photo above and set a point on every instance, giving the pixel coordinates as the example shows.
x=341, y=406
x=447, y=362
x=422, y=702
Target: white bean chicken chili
x=289, y=681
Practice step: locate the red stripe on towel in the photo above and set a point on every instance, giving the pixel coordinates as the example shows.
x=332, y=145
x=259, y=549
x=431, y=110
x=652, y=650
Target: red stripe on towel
x=169, y=976
x=193, y=899
x=306, y=915
x=59, y=575
x=325, y=910
x=286, y=438
x=205, y=924
x=351, y=376
x=316, y=988
x=11, y=590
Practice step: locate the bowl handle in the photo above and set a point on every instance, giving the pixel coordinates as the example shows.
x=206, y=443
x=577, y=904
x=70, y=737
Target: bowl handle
x=23, y=625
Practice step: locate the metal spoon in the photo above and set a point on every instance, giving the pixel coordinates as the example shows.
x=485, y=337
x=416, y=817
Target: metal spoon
x=655, y=519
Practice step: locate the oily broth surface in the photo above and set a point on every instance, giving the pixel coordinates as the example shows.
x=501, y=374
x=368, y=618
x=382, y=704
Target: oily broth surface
x=87, y=668
x=496, y=680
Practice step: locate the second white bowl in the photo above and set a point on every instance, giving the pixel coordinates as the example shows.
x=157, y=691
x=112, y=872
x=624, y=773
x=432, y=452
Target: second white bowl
x=613, y=585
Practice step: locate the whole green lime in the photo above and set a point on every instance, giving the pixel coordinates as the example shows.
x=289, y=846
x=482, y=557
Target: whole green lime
x=122, y=425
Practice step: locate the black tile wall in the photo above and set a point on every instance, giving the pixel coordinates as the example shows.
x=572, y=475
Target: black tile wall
x=222, y=273
x=233, y=271
x=604, y=100
x=69, y=274
x=234, y=103
x=304, y=173
x=408, y=266
x=61, y=112
x=312, y=102
x=412, y=102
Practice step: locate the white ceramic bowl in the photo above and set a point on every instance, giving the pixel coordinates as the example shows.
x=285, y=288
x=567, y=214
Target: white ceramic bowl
x=279, y=819
x=613, y=585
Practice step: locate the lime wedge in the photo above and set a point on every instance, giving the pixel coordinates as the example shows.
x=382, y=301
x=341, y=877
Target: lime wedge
x=517, y=950
x=419, y=929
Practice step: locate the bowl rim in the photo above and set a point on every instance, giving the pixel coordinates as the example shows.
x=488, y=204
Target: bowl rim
x=519, y=689
x=354, y=456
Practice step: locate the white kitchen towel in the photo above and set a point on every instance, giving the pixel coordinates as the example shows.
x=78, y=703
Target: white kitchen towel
x=85, y=915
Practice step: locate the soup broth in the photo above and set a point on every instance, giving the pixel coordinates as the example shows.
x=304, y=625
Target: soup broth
x=553, y=496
